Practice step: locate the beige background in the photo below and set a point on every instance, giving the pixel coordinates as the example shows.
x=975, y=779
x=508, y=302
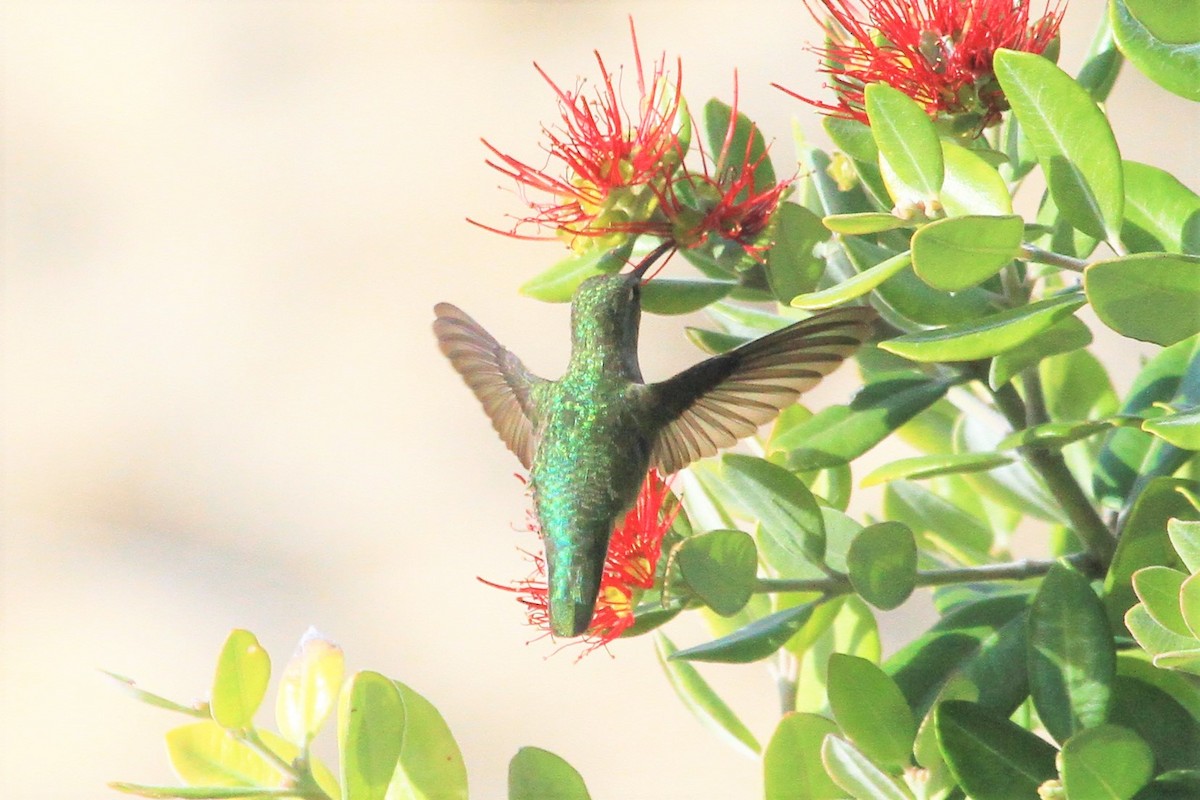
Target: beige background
x=224, y=226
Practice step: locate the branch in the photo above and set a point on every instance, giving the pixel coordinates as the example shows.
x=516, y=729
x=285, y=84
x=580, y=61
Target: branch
x=1031, y=252
x=1007, y=571
x=1084, y=519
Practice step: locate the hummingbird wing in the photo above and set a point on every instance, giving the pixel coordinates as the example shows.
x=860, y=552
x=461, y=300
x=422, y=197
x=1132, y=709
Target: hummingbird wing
x=727, y=397
x=497, y=377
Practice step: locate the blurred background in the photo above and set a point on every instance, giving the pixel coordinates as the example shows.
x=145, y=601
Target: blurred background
x=224, y=227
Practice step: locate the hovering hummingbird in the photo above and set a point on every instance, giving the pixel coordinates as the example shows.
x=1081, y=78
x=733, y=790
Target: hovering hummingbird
x=589, y=438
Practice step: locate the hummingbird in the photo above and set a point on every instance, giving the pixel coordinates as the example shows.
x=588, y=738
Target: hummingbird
x=589, y=438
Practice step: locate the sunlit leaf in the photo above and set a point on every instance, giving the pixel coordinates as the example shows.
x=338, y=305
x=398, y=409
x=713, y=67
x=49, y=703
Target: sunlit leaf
x=1154, y=297
x=882, y=564
x=243, y=670
x=992, y=758
x=699, y=698
x=871, y=710
x=430, y=766
x=205, y=754
x=1175, y=67
x=536, y=774
x=959, y=252
x=792, y=768
x=1106, y=763
x=855, y=773
x=370, y=735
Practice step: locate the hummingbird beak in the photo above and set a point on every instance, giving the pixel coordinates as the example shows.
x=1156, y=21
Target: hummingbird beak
x=649, y=260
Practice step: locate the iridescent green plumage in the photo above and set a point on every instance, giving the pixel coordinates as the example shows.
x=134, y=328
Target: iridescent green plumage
x=590, y=437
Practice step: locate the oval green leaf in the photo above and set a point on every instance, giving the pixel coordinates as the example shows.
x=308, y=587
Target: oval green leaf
x=1174, y=67
x=883, y=564
x=370, y=735
x=536, y=774
x=430, y=766
x=792, y=768
x=1106, y=763
x=720, y=566
x=855, y=286
x=746, y=146
x=682, y=295
x=1057, y=435
x=983, y=338
x=855, y=773
x=698, y=697
x=906, y=138
x=752, y=642
x=243, y=671
x=972, y=185
x=1073, y=141
x=1184, y=536
x=960, y=252
x=992, y=758
x=308, y=689
x=1072, y=660
x=1189, y=604
x=1155, y=638
x=792, y=266
x=558, y=284
x=1154, y=297
x=1159, y=590
x=930, y=466
x=1161, y=213
x=871, y=711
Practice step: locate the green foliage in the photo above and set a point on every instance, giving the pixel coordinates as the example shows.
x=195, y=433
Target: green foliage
x=1070, y=674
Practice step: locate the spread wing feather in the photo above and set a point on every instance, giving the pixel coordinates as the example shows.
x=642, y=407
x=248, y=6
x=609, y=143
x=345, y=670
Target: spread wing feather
x=727, y=397
x=497, y=377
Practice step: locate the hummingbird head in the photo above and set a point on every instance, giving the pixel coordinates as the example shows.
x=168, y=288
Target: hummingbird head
x=607, y=310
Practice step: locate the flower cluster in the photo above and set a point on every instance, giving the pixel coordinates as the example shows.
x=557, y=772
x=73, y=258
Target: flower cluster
x=611, y=175
x=938, y=52
x=629, y=568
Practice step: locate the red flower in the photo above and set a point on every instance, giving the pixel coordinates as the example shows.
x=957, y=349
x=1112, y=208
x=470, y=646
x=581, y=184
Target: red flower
x=938, y=52
x=599, y=156
x=629, y=568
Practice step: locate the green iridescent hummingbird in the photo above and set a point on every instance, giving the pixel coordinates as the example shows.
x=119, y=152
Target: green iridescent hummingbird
x=589, y=438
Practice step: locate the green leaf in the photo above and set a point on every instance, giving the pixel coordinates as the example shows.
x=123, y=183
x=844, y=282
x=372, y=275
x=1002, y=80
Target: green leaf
x=1173, y=21
x=308, y=688
x=370, y=735
x=1158, y=588
x=1176, y=785
x=745, y=147
x=1161, y=213
x=1144, y=543
x=243, y=670
x=906, y=139
x=1074, y=144
x=840, y=434
x=983, y=642
x=960, y=252
x=871, y=710
x=558, y=284
x=1072, y=661
x=852, y=137
x=992, y=758
x=430, y=765
x=983, y=338
x=854, y=287
x=1076, y=386
x=720, y=568
x=698, y=697
x=851, y=629
x=1057, y=435
x=883, y=564
x=752, y=642
x=1154, y=297
x=792, y=267
x=1106, y=763
x=1181, y=429
x=1155, y=638
x=682, y=295
x=204, y=754
x=792, y=768
x=1189, y=604
x=864, y=222
x=1185, y=539
x=715, y=342
x=536, y=774
x=972, y=185
x=855, y=773
x=942, y=525
x=1175, y=67
x=780, y=501
x=928, y=466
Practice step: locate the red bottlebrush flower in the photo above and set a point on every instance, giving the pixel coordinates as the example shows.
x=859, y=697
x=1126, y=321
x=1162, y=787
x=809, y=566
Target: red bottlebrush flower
x=724, y=202
x=599, y=156
x=629, y=568
x=938, y=52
